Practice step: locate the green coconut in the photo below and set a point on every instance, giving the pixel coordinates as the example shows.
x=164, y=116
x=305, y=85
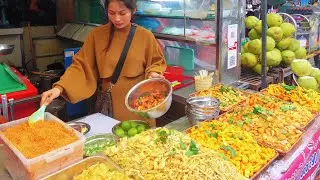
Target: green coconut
x=301, y=67
x=251, y=21
x=308, y=82
x=274, y=20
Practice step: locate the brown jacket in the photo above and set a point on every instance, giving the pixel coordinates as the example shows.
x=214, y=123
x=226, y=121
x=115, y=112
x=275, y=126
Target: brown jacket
x=93, y=61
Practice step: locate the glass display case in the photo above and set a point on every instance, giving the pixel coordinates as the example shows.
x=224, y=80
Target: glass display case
x=206, y=32
x=307, y=30
x=194, y=34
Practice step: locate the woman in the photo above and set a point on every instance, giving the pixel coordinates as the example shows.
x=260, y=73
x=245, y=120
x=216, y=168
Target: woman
x=98, y=58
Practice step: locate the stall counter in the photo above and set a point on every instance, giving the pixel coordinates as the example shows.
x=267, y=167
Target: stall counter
x=99, y=123
x=302, y=162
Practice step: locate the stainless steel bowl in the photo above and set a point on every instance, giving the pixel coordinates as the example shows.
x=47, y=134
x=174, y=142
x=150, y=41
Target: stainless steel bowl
x=6, y=49
x=203, y=102
x=99, y=139
x=196, y=119
x=147, y=125
x=147, y=86
x=202, y=108
x=203, y=105
x=203, y=112
x=81, y=127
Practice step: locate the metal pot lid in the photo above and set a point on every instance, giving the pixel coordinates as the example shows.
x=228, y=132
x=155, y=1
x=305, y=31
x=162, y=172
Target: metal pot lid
x=6, y=49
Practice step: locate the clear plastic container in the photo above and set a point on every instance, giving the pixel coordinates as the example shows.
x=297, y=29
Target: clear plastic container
x=20, y=167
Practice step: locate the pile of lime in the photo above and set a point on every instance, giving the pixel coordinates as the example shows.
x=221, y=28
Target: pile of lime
x=130, y=128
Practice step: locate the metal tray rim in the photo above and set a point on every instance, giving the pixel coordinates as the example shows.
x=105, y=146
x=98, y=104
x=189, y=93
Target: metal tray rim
x=97, y=158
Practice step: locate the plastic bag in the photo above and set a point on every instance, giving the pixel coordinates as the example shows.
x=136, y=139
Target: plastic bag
x=196, y=8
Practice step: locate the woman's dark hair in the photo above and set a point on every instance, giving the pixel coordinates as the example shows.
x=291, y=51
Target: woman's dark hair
x=130, y=4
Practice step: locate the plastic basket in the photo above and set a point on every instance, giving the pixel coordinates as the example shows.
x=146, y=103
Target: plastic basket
x=177, y=70
x=9, y=81
x=203, y=84
x=179, y=56
x=20, y=167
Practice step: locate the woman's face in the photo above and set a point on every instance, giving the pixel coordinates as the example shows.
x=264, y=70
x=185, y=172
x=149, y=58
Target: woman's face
x=119, y=14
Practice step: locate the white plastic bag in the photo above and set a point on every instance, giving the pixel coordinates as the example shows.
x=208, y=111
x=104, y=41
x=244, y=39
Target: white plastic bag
x=196, y=8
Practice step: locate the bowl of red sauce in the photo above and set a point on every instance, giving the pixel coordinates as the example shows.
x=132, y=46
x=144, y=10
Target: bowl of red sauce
x=150, y=98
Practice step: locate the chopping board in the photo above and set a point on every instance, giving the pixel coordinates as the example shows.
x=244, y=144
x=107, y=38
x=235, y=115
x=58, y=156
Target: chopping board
x=99, y=123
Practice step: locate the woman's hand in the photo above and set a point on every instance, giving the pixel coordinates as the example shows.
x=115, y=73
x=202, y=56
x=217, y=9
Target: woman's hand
x=48, y=96
x=155, y=75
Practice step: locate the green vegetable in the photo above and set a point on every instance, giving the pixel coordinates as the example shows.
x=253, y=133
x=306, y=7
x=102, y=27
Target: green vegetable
x=266, y=99
x=223, y=104
x=172, y=152
x=230, y=149
x=223, y=156
x=247, y=120
x=287, y=107
x=97, y=147
x=288, y=88
x=171, y=131
x=224, y=89
x=163, y=136
x=240, y=123
x=245, y=115
x=231, y=121
x=212, y=135
x=193, y=149
x=228, y=89
x=182, y=145
x=258, y=109
x=261, y=111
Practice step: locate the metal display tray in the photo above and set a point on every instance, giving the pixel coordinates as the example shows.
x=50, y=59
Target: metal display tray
x=75, y=169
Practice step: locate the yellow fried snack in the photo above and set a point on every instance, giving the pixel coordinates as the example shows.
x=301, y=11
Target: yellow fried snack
x=100, y=171
x=39, y=139
x=162, y=154
x=290, y=113
x=270, y=131
x=304, y=97
x=235, y=144
x=227, y=95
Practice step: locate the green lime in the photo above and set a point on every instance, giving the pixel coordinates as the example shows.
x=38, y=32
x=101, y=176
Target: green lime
x=126, y=125
x=141, y=128
x=120, y=132
x=133, y=124
x=132, y=132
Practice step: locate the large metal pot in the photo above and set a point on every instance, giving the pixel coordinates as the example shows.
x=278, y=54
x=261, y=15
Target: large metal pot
x=148, y=86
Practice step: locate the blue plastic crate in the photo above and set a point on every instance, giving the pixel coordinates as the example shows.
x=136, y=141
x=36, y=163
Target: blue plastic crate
x=80, y=108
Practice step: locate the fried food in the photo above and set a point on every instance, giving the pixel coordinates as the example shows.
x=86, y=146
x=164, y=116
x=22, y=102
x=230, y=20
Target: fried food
x=163, y=154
